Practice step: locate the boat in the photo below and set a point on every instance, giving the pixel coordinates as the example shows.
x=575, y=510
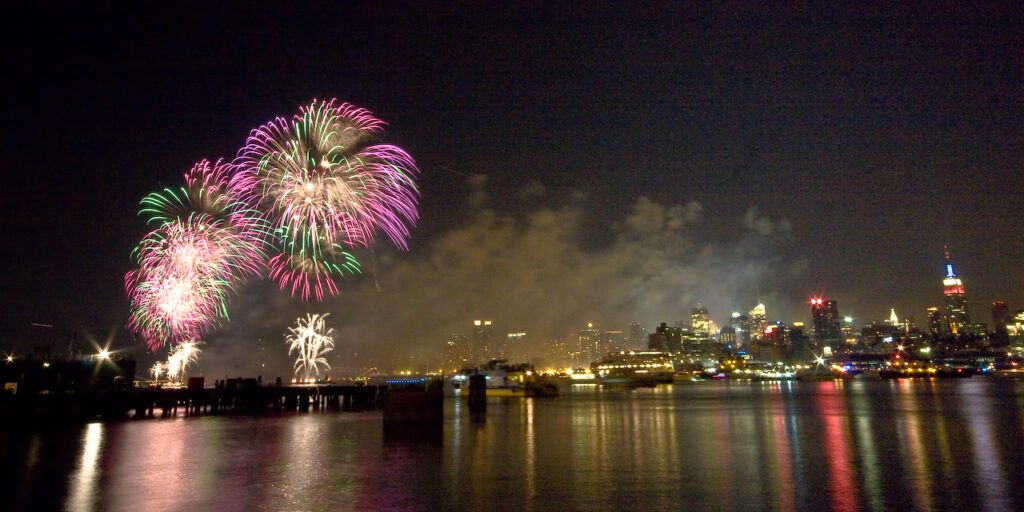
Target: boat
x=634, y=369
x=816, y=375
x=506, y=380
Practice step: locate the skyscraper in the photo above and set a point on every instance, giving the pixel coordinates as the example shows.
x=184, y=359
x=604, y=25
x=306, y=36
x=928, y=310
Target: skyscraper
x=637, y=335
x=727, y=337
x=1000, y=321
x=825, y=321
x=894, y=320
x=483, y=341
x=758, y=322
x=515, y=347
x=666, y=339
x=741, y=323
x=700, y=324
x=559, y=354
x=1000, y=315
x=455, y=353
x=955, y=299
x=589, y=344
x=934, y=321
x=612, y=340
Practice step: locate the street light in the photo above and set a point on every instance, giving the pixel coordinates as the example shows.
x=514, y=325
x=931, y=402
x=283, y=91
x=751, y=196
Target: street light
x=103, y=355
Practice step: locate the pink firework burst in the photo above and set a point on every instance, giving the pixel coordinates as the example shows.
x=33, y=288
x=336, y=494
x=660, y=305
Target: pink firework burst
x=324, y=185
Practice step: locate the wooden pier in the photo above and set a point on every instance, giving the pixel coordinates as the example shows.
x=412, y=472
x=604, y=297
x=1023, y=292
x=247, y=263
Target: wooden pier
x=166, y=402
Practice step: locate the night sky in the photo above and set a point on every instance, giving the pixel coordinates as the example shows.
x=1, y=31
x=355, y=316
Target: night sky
x=811, y=152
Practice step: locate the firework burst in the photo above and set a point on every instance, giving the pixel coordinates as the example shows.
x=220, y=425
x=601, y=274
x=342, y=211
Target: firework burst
x=310, y=340
x=205, y=241
x=324, y=185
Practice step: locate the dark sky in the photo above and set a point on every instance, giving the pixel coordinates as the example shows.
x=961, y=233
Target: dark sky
x=862, y=140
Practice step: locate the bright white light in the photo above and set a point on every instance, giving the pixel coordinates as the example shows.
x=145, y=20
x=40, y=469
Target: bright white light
x=104, y=354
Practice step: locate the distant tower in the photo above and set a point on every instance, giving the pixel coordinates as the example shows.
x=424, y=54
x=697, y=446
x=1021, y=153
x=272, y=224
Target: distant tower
x=934, y=321
x=700, y=325
x=727, y=337
x=455, y=353
x=637, y=335
x=758, y=322
x=825, y=321
x=955, y=298
x=483, y=341
x=515, y=347
x=589, y=344
x=1000, y=316
x=741, y=326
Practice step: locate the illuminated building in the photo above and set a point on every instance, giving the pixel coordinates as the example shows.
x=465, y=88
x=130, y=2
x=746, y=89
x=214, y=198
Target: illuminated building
x=799, y=345
x=515, y=346
x=666, y=339
x=741, y=323
x=612, y=341
x=776, y=334
x=1000, y=316
x=876, y=333
x=934, y=321
x=1015, y=328
x=588, y=345
x=727, y=337
x=637, y=335
x=955, y=298
x=456, y=354
x=700, y=324
x=483, y=341
x=558, y=353
x=758, y=322
x=894, y=320
x=825, y=321
x=847, y=332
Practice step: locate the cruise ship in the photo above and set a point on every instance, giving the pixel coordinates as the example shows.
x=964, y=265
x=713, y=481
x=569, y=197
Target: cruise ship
x=634, y=369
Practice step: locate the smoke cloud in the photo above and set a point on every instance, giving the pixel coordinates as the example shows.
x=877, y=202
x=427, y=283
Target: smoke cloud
x=536, y=271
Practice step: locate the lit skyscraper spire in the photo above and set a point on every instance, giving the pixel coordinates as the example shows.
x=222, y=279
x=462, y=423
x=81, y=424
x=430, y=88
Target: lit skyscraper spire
x=955, y=298
x=893, y=319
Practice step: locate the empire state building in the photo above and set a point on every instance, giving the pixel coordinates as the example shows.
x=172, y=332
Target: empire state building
x=955, y=299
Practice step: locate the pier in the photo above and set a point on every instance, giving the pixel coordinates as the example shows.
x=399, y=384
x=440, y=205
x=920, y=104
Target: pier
x=232, y=397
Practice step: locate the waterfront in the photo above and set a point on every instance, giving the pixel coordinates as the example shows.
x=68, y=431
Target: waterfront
x=855, y=445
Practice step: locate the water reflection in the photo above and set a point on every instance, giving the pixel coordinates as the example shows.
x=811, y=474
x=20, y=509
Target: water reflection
x=978, y=410
x=83, y=481
x=907, y=445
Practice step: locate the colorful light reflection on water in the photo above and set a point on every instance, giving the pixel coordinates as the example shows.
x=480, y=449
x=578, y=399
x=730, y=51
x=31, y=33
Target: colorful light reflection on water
x=922, y=445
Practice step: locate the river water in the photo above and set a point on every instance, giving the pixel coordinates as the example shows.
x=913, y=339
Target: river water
x=856, y=445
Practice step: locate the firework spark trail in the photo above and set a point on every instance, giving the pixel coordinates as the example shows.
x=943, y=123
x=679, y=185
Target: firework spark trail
x=158, y=370
x=310, y=339
x=206, y=241
x=324, y=186
x=180, y=358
